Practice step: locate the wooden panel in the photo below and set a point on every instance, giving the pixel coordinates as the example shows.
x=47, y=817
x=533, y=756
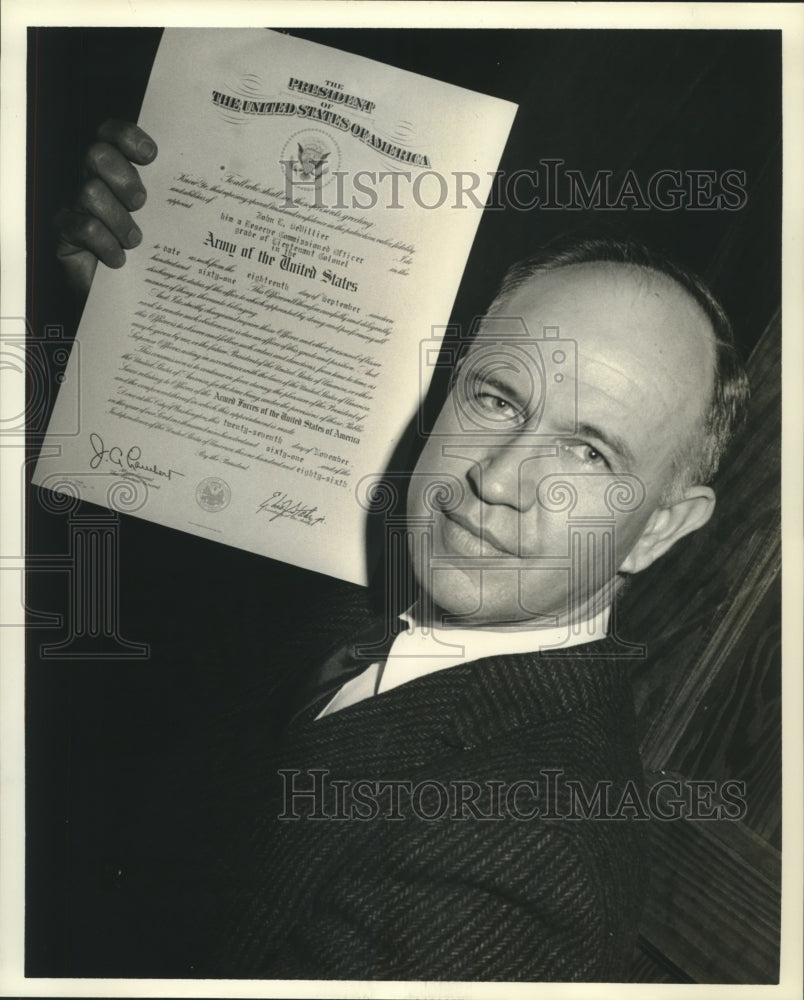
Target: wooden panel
x=714, y=906
x=668, y=729
x=737, y=731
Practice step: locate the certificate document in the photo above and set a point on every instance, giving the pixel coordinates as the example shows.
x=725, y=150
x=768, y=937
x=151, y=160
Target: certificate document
x=309, y=217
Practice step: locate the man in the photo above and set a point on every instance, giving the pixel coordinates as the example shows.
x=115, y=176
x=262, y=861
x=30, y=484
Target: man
x=427, y=813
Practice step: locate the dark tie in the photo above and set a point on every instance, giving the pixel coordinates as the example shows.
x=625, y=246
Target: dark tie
x=347, y=662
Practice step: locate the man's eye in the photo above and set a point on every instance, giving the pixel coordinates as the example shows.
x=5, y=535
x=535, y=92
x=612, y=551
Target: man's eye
x=586, y=454
x=497, y=407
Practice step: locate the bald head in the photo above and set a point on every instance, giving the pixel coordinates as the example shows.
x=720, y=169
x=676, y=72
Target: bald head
x=697, y=458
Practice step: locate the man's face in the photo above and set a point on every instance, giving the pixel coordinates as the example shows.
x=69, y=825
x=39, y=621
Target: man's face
x=603, y=384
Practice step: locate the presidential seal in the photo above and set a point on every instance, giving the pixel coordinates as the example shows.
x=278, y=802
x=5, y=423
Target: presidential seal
x=311, y=156
x=213, y=494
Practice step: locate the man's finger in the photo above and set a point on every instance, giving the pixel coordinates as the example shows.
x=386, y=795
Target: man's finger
x=79, y=231
x=95, y=198
x=79, y=267
x=119, y=176
x=129, y=139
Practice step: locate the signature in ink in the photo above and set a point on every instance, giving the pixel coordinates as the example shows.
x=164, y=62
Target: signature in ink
x=128, y=461
x=279, y=504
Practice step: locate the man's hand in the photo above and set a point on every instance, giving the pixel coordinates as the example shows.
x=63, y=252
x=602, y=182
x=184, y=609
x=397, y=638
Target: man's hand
x=99, y=225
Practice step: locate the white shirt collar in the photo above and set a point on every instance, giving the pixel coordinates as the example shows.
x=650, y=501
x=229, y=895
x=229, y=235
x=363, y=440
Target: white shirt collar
x=421, y=650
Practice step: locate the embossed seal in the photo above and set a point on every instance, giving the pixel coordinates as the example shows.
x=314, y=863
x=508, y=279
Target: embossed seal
x=313, y=156
x=213, y=494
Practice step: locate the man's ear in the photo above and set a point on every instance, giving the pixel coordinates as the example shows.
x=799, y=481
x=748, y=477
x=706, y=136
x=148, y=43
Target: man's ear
x=667, y=524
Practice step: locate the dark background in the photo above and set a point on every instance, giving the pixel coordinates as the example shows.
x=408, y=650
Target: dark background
x=210, y=615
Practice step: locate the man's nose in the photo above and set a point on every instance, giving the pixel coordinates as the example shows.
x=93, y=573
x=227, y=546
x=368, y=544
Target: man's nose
x=508, y=473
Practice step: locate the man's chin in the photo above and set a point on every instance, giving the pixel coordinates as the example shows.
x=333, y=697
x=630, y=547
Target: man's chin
x=461, y=598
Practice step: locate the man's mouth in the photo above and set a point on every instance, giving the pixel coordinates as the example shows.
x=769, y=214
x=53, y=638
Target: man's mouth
x=461, y=536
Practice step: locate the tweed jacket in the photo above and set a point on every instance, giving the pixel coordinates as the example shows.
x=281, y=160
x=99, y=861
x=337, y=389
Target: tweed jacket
x=410, y=882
